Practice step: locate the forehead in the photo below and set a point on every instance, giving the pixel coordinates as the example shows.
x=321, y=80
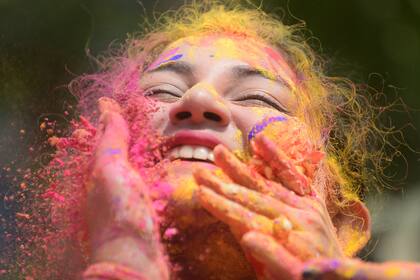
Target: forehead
x=247, y=51
x=222, y=47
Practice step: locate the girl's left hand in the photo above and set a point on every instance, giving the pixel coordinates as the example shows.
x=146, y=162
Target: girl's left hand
x=277, y=228
x=346, y=269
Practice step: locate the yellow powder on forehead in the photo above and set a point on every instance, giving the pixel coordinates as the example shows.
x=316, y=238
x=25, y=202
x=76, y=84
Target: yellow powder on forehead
x=250, y=50
x=226, y=47
x=190, y=54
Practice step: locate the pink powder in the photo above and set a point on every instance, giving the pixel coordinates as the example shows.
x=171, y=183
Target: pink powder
x=170, y=233
x=51, y=223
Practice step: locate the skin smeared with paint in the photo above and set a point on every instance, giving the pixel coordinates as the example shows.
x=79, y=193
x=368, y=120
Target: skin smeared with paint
x=127, y=217
x=168, y=56
x=260, y=127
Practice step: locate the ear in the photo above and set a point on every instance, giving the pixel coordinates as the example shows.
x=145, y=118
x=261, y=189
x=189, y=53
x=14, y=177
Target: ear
x=353, y=225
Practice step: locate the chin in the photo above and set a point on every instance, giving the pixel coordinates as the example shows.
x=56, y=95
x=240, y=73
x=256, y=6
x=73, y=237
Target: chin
x=202, y=245
x=183, y=209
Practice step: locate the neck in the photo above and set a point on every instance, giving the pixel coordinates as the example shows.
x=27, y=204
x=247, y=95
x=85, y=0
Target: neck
x=204, y=250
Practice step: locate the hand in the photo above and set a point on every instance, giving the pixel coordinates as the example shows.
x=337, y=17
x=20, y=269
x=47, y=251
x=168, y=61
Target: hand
x=269, y=219
x=120, y=215
x=343, y=269
x=285, y=154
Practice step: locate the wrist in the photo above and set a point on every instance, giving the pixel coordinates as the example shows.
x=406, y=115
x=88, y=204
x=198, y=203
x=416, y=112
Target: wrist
x=137, y=255
x=108, y=271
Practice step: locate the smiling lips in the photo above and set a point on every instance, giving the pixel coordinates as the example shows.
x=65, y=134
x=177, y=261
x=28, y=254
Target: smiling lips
x=192, y=145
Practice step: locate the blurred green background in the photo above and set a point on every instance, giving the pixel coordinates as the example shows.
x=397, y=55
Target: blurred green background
x=42, y=47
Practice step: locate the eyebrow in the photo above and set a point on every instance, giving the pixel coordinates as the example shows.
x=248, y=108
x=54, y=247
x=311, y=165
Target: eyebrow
x=179, y=67
x=239, y=72
x=244, y=71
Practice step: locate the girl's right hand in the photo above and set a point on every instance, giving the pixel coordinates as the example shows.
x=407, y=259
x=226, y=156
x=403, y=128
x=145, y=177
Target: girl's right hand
x=121, y=219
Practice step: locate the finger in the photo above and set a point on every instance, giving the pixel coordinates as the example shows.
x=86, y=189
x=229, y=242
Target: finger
x=113, y=141
x=322, y=269
x=106, y=107
x=243, y=175
x=283, y=167
x=277, y=262
x=290, y=175
x=356, y=269
x=252, y=200
x=237, y=170
x=282, y=226
x=303, y=245
x=232, y=213
x=106, y=104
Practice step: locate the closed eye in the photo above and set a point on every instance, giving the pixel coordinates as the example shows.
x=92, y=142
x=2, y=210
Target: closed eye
x=165, y=94
x=159, y=91
x=260, y=100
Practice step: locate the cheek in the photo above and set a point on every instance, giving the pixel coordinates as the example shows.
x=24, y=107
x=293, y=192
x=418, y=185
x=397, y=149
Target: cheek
x=247, y=118
x=160, y=118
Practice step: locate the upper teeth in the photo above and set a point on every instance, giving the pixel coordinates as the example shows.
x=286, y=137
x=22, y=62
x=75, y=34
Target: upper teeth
x=190, y=151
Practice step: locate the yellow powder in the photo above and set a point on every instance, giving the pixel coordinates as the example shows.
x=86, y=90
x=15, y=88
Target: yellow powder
x=392, y=271
x=184, y=191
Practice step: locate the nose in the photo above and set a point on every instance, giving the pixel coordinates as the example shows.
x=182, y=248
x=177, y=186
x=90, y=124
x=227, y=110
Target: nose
x=201, y=104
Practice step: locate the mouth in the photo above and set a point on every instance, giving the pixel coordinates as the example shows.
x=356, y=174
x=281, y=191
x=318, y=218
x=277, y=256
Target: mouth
x=192, y=146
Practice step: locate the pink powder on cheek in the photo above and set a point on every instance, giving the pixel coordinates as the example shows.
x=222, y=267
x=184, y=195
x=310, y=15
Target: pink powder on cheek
x=163, y=190
x=160, y=192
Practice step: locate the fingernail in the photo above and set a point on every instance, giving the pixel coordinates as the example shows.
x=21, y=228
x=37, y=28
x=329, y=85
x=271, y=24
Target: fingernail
x=311, y=273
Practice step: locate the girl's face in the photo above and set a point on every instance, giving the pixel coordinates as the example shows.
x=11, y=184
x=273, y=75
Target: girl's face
x=213, y=90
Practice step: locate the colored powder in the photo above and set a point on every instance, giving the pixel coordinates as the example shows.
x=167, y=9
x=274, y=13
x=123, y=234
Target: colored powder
x=164, y=58
x=111, y=151
x=175, y=57
x=226, y=48
x=349, y=272
x=184, y=192
x=260, y=126
x=353, y=240
x=392, y=271
x=170, y=233
x=51, y=228
x=284, y=71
